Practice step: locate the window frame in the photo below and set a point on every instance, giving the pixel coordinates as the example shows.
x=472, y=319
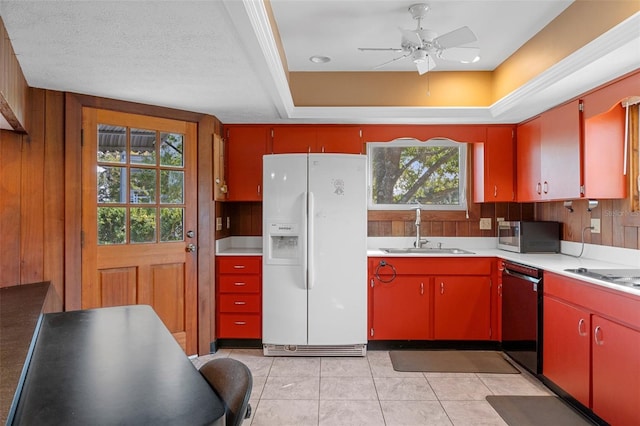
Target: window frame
x=463, y=168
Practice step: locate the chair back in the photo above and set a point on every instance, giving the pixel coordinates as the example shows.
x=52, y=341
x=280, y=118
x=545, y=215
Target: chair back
x=232, y=381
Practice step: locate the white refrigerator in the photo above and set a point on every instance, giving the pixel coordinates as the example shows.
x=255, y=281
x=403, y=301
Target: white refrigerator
x=314, y=282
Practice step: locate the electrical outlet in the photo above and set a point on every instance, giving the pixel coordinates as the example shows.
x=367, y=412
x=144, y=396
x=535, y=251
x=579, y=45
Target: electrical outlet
x=485, y=223
x=499, y=219
x=228, y=222
x=595, y=223
x=218, y=224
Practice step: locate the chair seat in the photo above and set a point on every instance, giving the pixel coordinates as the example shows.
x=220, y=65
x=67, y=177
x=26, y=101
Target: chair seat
x=232, y=381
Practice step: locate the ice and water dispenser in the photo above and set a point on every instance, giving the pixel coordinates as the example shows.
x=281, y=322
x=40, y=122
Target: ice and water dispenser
x=284, y=244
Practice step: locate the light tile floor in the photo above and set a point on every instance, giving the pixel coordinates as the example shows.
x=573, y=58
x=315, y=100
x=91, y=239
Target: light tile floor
x=336, y=391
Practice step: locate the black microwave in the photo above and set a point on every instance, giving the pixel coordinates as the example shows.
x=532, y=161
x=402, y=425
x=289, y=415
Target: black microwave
x=529, y=236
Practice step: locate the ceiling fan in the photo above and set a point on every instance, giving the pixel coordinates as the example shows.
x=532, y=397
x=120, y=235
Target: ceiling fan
x=423, y=45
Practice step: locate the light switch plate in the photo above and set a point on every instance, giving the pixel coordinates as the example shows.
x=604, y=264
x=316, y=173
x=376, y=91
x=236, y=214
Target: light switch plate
x=595, y=223
x=228, y=222
x=485, y=223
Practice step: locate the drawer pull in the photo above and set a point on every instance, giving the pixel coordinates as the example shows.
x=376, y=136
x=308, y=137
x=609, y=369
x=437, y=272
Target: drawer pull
x=239, y=284
x=238, y=266
x=239, y=303
x=240, y=323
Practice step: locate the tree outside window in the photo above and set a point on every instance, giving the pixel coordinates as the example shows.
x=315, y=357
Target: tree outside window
x=408, y=171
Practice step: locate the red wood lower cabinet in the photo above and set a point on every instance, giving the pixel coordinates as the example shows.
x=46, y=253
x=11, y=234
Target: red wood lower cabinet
x=462, y=308
x=615, y=372
x=239, y=301
x=566, y=348
x=591, y=347
x=401, y=309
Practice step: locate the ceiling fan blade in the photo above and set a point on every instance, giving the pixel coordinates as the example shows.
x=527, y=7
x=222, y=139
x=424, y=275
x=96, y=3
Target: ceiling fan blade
x=426, y=66
x=456, y=38
x=380, y=49
x=461, y=54
x=392, y=61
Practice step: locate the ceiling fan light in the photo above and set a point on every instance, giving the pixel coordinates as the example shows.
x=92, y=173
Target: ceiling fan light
x=419, y=56
x=319, y=59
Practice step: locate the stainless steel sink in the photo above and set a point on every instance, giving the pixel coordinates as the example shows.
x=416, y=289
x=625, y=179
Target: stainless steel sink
x=426, y=250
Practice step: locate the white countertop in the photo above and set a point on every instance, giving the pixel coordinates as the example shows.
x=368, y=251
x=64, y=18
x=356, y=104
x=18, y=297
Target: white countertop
x=593, y=256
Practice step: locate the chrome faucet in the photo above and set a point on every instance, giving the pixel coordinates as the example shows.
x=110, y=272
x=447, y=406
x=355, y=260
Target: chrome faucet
x=419, y=241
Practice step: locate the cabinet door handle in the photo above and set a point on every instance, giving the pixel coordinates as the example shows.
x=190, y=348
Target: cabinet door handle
x=596, y=336
x=545, y=187
x=500, y=290
x=259, y=189
x=539, y=188
x=421, y=289
x=582, y=331
x=441, y=288
x=239, y=302
x=240, y=323
x=495, y=190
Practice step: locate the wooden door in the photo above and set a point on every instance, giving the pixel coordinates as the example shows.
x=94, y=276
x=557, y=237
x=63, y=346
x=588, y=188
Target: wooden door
x=139, y=217
x=462, y=308
x=245, y=147
x=566, y=359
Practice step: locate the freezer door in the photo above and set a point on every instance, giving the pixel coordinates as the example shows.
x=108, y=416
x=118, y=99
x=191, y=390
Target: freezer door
x=284, y=293
x=337, y=249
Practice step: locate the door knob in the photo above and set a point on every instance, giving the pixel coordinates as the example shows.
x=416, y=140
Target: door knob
x=190, y=248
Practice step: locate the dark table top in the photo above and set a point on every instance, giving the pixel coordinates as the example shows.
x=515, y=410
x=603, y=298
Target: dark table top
x=21, y=307
x=113, y=366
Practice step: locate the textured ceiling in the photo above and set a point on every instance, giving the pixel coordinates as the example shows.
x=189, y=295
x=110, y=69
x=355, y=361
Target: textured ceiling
x=220, y=57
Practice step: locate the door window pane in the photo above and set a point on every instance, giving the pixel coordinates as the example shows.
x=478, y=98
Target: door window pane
x=112, y=144
x=171, y=186
x=143, y=225
x=143, y=146
x=112, y=184
x=111, y=225
x=171, y=224
x=171, y=149
x=143, y=186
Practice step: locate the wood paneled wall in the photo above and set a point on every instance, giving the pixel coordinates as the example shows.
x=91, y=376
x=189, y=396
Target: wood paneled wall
x=32, y=198
x=619, y=225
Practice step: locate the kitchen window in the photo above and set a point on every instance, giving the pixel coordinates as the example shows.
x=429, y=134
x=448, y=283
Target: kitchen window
x=405, y=172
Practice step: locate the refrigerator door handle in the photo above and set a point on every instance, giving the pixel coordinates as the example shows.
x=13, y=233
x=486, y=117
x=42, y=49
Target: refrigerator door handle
x=311, y=242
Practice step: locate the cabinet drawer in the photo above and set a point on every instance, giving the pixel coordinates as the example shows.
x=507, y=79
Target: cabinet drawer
x=240, y=326
x=239, y=264
x=239, y=283
x=240, y=303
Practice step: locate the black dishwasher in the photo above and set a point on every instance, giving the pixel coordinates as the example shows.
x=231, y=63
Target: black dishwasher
x=522, y=315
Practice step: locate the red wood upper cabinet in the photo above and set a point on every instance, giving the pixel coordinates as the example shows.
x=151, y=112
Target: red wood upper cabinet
x=307, y=138
x=340, y=139
x=529, y=187
x=560, y=152
x=246, y=144
x=294, y=139
x=494, y=166
x=462, y=308
x=549, y=163
x=604, y=134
